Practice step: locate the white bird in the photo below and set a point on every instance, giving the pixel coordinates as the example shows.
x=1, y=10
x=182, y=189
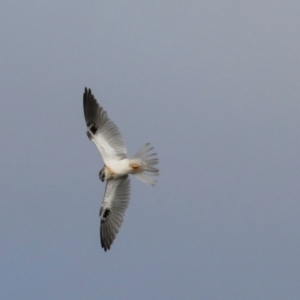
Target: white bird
x=117, y=167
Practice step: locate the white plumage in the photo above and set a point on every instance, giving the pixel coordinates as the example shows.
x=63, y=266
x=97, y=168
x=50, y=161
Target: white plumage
x=108, y=140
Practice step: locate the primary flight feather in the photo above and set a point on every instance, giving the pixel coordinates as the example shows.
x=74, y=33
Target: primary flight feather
x=117, y=167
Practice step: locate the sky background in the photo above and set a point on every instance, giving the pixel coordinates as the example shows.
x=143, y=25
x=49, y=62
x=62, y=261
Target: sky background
x=214, y=86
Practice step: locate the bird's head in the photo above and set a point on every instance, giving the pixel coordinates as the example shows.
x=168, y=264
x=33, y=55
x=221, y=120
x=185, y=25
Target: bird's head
x=102, y=174
x=106, y=174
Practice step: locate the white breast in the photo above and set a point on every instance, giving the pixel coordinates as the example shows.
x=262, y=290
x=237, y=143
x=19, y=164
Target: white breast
x=119, y=167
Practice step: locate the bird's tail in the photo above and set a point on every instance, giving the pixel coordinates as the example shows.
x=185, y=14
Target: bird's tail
x=143, y=163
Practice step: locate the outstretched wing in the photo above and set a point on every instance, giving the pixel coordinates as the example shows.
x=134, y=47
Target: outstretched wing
x=101, y=130
x=116, y=199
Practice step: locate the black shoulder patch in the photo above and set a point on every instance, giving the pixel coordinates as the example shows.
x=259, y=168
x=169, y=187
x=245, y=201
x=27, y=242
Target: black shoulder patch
x=93, y=129
x=106, y=213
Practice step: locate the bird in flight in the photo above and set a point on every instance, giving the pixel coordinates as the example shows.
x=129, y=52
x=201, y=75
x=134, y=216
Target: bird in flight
x=117, y=167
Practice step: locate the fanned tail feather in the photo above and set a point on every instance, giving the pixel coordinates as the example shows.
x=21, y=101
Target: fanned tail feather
x=146, y=159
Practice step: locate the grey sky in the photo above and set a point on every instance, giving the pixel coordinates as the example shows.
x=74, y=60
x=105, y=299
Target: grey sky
x=214, y=86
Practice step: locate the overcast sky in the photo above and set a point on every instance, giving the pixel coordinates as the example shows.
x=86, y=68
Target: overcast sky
x=214, y=86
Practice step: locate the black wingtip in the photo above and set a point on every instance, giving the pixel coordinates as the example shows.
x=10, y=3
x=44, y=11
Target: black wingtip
x=87, y=92
x=105, y=247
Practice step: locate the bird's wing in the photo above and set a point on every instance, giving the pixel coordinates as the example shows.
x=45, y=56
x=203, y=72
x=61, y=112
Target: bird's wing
x=101, y=130
x=116, y=199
